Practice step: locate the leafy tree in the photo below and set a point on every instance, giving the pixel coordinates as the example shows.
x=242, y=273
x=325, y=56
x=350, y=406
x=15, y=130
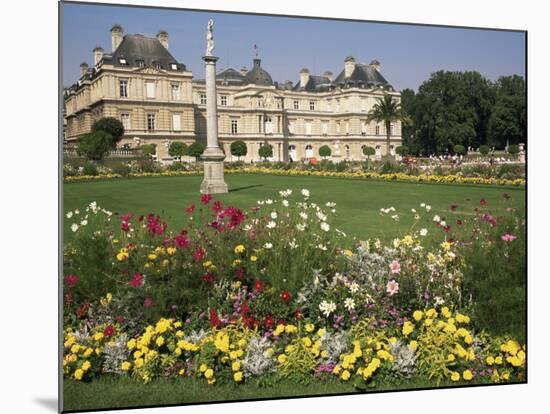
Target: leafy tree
x=387, y=110
x=94, y=145
x=513, y=149
x=195, y=149
x=484, y=150
x=402, y=150
x=238, y=149
x=325, y=151
x=111, y=126
x=459, y=149
x=177, y=150
x=265, y=151
x=148, y=150
x=368, y=151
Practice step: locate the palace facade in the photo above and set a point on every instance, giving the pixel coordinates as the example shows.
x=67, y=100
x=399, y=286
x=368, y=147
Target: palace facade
x=158, y=101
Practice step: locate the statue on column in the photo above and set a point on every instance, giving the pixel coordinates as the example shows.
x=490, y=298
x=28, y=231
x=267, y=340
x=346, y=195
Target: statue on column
x=210, y=38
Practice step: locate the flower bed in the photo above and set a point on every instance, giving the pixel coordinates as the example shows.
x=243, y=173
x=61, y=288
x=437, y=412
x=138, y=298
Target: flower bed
x=269, y=294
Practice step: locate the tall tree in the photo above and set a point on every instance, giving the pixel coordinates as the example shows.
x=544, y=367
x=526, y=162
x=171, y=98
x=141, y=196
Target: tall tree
x=111, y=126
x=387, y=110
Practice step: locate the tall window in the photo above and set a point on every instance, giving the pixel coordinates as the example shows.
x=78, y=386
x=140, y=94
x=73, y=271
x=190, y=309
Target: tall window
x=296, y=104
x=125, y=119
x=347, y=127
x=308, y=127
x=176, y=92
x=203, y=99
x=325, y=127
x=150, y=89
x=377, y=129
x=140, y=63
x=312, y=105
x=123, y=88
x=363, y=128
x=234, y=126
x=150, y=122
x=223, y=100
x=328, y=104
x=391, y=129
x=337, y=105
x=338, y=127
x=176, y=122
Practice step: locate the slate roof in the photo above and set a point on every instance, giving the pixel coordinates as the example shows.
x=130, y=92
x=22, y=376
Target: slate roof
x=148, y=49
x=257, y=75
x=362, y=74
x=314, y=84
x=230, y=76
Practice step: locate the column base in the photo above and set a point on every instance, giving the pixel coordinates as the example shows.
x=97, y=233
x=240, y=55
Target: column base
x=213, y=182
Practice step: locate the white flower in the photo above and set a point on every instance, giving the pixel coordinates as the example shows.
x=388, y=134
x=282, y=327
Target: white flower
x=303, y=215
x=354, y=287
x=293, y=244
x=422, y=205
x=443, y=223
x=417, y=217
x=428, y=208
x=301, y=227
x=437, y=219
x=395, y=217
x=268, y=245
x=330, y=204
x=77, y=211
x=269, y=201
x=83, y=222
x=69, y=214
x=285, y=193
x=413, y=210
x=423, y=232
x=74, y=227
x=271, y=225
x=261, y=202
x=285, y=203
x=325, y=226
x=340, y=232
x=247, y=227
x=327, y=307
x=273, y=215
x=322, y=247
x=396, y=243
x=321, y=216
x=392, y=208
x=349, y=304
x=305, y=192
x=439, y=300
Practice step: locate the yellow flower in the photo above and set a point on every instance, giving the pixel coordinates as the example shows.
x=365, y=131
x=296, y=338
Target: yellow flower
x=207, y=264
x=455, y=376
x=506, y=375
x=236, y=262
x=86, y=366
x=160, y=341
x=321, y=332
x=171, y=250
x=431, y=313
x=282, y=358
x=291, y=329
x=417, y=315
x=181, y=371
x=98, y=336
x=209, y=373
x=498, y=360
x=241, y=343
x=413, y=345
x=203, y=368
x=337, y=369
x=490, y=360
x=408, y=327
x=152, y=256
x=122, y=255
x=88, y=352
x=236, y=366
x=445, y=311
x=239, y=249
x=348, y=253
x=125, y=366
x=253, y=258
x=75, y=348
x=450, y=358
x=467, y=375
x=345, y=375
x=309, y=327
x=279, y=330
x=238, y=376
x=78, y=374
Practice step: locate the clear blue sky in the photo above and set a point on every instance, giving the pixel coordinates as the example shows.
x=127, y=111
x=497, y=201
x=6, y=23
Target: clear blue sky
x=408, y=54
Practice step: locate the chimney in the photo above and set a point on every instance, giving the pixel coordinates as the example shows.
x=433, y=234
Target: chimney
x=375, y=64
x=116, y=36
x=98, y=54
x=162, y=36
x=349, y=66
x=83, y=69
x=328, y=75
x=304, y=77
x=244, y=71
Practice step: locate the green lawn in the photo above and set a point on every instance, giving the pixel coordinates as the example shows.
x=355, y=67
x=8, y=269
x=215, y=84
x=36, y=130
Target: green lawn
x=358, y=201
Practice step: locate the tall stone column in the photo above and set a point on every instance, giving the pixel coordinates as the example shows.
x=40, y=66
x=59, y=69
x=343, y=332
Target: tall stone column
x=213, y=156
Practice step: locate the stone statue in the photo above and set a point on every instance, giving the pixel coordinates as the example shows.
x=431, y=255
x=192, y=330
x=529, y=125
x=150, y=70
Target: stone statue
x=210, y=38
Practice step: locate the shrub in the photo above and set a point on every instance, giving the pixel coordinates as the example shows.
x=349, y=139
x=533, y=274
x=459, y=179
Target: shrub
x=111, y=126
x=266, y=151
x=94, y=145
x=325, y=151
x=484, y=150
x=121, y=168
x=459, y=149
x=368, y=151
x=177, y=150
x=238, y=149
x=513, y=149
x=402, y=150
x=148, y=150
x=195, y=149
x=89, y=168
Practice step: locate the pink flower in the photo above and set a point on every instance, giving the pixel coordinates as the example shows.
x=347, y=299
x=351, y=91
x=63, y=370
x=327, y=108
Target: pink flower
x=182, y=241
x=392, y=287
x=148, y=302
x=190, y=209
x=508, y=237
x=71, y=280
x=198, y=254
x=395, y=267
x=137, y=280
x=205, y=198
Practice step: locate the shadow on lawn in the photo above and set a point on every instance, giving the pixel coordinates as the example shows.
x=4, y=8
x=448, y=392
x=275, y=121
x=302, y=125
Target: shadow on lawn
x=245, y=187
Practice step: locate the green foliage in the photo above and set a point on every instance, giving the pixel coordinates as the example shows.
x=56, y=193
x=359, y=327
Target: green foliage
x=195, y=149
x=149, y=150
x=266, y=151
x=484, y=150
x=90, y=168
x=513, y=149
x=111, y=126
x=238, y=149
x=368, y=151
x=325, y=151
x=388, y=110
x=300, y=363
x=402, y=150
x=459, y=149
x=177, y=149
x=94, y=145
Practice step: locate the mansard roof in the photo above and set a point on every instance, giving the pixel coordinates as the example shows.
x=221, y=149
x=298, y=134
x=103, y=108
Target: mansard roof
x=365, y=75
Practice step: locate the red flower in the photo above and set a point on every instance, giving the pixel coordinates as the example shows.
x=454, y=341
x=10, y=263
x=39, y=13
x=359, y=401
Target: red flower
x=140, y=218
x=205, y=198
x=71, y=280
x=69, y=299
x=209, y=277
x=120, y=319
x=198, y=254
x=239, y=273
x=154, y=225
x=137, y=280
x=109, y=331
x=258, y=286
x=268, y=322
x=190, y=209
x=459, y=222
x=182, y=241
x=125, y=226
x=298, y=314
x=285, y=295
x=82, y=310
x=126, y=217
x=214, y=320
x=148, y=302
x=217, y=207
x=482, y=202
x=447, y=229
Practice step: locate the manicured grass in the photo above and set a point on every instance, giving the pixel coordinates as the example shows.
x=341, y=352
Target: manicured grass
x=358, y=201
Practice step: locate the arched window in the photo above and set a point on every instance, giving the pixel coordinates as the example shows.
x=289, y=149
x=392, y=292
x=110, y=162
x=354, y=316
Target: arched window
x=347, y=151
x=292, y=152
x=309, y=151
x=377, y=129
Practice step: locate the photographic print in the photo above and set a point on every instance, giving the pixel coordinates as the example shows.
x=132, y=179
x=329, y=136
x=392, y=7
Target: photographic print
x=264, y=206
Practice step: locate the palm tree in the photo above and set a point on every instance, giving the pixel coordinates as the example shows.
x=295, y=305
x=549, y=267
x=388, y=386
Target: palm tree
x=388, y=110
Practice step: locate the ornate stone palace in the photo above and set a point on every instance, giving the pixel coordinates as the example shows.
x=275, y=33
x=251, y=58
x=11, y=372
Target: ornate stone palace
x=159, y=102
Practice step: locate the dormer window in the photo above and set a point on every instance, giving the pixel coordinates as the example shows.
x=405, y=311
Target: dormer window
x=140, y=63
x=122, y=61
x=157, y=65
x=174, y=66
